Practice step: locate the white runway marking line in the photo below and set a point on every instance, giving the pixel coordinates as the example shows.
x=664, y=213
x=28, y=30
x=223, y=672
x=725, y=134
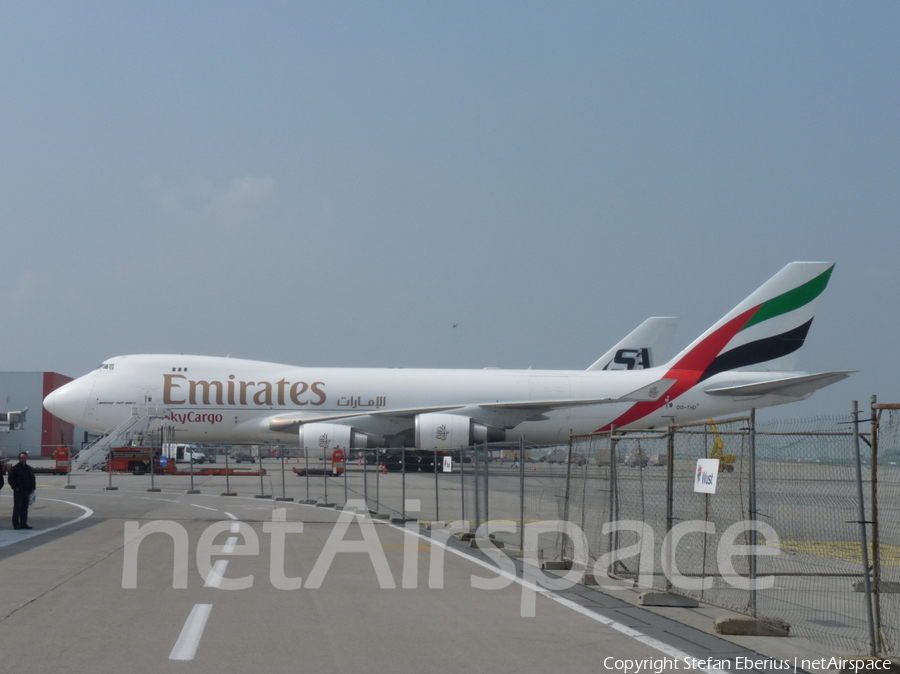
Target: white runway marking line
x=204, y=507
x=235, y=528
x=218, y=572
x=186, y=646
x=10, y=537
x=230, y=542
x=231, y=516
x=609, y=622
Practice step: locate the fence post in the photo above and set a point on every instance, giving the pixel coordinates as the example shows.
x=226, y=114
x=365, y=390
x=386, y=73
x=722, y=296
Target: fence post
x=477, y=488
x=228, y=476
x=69, y=484
x=403, y=488
x=437, y=505
x=568, y=494
x=522, y=494
x=462, y=485
x=306, y=455
x=487, y=491
x=587, y=461
x=752, y=513
x=861, y=511
x=366, y=476
x=262, y=488
x=152, y=466
x=611, y=515
x=670, y=498
x=284, y=496
x=109, y=464
x=192, y=490
x=876, y=534
x=325, y=471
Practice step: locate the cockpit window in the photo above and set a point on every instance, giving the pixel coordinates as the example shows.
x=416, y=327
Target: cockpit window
x=107, y=366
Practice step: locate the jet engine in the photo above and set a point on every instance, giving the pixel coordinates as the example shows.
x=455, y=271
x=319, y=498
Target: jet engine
x=451, y=431
x=321, y=438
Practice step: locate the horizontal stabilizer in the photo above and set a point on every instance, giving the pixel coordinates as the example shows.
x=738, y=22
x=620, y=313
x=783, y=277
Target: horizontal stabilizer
x=790, y=387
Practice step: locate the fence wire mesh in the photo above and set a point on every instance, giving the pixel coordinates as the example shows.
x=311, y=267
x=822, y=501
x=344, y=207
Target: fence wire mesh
x=670, y=537
x=806, y=499
x=886, y=486
x=807, y=492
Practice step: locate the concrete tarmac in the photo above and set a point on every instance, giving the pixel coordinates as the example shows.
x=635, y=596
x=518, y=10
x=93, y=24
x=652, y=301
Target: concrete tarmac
x=66, y=605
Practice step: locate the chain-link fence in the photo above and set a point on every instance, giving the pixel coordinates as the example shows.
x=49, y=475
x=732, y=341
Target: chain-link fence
x=633, y=496
x=885, y=495
x=798, y=500
x=791, y=487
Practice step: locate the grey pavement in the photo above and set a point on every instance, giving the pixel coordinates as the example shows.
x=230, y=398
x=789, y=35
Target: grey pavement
x=63, y=596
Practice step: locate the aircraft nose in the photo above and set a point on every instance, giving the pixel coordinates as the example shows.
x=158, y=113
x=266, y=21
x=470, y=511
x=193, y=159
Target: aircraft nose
x=68, y=402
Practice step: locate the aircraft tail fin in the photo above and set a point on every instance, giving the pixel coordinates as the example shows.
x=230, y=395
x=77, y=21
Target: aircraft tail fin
x=644, y=347
x=766, y=330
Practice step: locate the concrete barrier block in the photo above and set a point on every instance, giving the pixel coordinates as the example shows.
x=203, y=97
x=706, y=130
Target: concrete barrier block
x=484, y=542
x=885, y=586
x=557, y=565
x=465, y=536
x=667, y=599
x=751, y=627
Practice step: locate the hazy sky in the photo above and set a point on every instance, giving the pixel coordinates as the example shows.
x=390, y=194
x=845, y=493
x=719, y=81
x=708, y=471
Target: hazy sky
x=338, y=184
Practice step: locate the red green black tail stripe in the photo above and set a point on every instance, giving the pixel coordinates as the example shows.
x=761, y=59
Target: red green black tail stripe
x=706, y=358
x=760, y=351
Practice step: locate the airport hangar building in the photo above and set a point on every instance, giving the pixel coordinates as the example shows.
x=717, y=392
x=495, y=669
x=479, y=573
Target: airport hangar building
x=41, y=433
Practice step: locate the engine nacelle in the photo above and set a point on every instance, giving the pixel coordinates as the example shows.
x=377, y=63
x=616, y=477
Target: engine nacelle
x=320, y=438
x=451, y=431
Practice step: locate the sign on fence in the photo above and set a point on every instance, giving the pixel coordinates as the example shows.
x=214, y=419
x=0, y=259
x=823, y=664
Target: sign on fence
x=707, y=474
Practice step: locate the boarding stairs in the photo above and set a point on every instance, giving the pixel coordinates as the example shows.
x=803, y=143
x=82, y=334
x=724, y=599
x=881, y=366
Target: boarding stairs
x=133, y=431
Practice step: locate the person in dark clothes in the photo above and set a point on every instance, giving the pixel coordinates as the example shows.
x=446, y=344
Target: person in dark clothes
x=21, y=479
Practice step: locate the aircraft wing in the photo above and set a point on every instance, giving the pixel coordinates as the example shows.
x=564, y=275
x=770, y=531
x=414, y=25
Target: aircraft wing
x=650, y=392
x=790, y=387
x=288, y=422
x=520, y=409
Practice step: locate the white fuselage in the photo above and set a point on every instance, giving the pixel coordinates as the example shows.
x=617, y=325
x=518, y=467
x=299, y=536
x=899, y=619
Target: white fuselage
x=223, y=400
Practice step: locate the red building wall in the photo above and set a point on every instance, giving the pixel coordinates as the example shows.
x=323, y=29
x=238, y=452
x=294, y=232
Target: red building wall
x=54, y=431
